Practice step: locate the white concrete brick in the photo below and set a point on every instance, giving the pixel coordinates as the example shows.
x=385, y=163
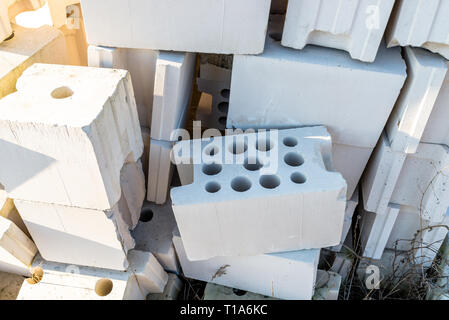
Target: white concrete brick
x=423, y=181
x=69, y=282
x=339, y=89
x=154, y=234
x=172, y=88
x=288, y=275
x=5, y=25
x=356, y=26
x=380, y=176
x=294, y=173
x=437, y=130
x=29, y=46
x=350, y=161
x=142, y=67
x=78, y=236
x=68, y=150
x=132, y=182
x=422, y=237
x=375, y=231
x=224, y=26
x=215, y=81
x=351, y=204
x=17, y=251
x=160, y=171
x=426, y=72
x=420, y=24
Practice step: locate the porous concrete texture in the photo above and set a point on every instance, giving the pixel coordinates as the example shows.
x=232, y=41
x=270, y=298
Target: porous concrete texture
x=66, y=133
x=224, y=26
x=426, y=72
x=140, y=63
x=354, y=26
x=289, y=275
x=259, y=177
x=420, y=23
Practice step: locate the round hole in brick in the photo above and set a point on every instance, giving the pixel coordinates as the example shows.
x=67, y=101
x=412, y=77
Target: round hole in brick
x=252, y=164
x=290, y=142
x=222, y=120
x=264, y=144
x=212, y=169
x=238, y=292
x=213, y=187
x=225, y=93
x=103, y=287
x=241, y=184
x=37, y=274
x=146, y=215
x=293, y=159
x=270, y=181
x=62, y=93
x=223, y=107
x=276, y=36
x=211, y=150
x=238, y=147
x=298, y=178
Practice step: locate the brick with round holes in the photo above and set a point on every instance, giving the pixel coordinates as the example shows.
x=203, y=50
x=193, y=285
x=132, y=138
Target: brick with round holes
x=293, y=201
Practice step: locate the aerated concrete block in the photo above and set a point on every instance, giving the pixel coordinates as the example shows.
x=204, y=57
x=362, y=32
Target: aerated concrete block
x=375, y=231
x=339, y=89
x=215, y=81
x=258, y=177
x=5, y=25
x=437, y=131
x=160, y=171
x=29, y=46
x=423, y=182
x=412, y=233
x=17, y=251
x=55, y=281
x=356, y=26
x=288, y=275
x=154, y=234
x=142, y=67
x=172, y=88
x=350, y=161
x=420, y=23
x=380, y=176
x=223, y=26
x=78, y=236
x=426, y=72
x=66, y=134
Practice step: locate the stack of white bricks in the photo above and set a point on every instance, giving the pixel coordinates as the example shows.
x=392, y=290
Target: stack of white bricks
x=405, y=197
x=404, y=186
